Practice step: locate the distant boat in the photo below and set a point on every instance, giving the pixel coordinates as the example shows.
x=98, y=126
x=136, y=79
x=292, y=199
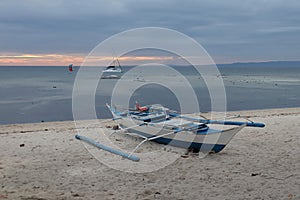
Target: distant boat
x=70, y=67
x=113, y=71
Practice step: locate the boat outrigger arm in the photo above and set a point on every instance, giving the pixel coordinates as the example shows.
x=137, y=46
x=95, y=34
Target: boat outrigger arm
x=146, y=139
x=130, y=155
x=94, y=143
x=222, y=122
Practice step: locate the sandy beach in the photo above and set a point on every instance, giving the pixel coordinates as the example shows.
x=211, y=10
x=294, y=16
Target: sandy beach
x=45, y=161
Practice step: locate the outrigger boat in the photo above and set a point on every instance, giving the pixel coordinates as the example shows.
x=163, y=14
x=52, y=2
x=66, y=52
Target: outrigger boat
x=160, y=124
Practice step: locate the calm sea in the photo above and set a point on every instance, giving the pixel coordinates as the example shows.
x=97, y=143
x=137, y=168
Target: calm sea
x=35, y=94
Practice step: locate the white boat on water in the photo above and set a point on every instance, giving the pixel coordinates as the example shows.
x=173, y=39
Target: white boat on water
x=113, y=71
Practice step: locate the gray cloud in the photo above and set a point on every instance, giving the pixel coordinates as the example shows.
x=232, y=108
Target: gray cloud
x=234, y=29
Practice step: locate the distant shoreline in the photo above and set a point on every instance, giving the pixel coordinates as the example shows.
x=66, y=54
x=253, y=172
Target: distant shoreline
x=247, y=113
x=264, y=63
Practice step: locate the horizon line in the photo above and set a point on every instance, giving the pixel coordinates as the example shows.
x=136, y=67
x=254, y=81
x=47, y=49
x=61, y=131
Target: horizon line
x=231, y=63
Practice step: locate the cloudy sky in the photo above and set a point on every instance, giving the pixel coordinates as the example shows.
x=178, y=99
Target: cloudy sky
x=58, y=32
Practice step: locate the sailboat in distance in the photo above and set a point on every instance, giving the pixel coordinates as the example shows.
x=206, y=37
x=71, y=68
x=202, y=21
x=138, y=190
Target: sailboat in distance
x=113, y=71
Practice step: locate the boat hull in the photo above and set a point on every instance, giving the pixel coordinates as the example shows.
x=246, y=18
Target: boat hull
x=110, y=77
x=204, y=141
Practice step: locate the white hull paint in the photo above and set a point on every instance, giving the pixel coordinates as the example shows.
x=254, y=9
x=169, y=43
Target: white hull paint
x=184, y=138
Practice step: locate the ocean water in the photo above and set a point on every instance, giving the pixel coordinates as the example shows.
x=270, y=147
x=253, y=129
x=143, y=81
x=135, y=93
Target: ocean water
x=35, y=94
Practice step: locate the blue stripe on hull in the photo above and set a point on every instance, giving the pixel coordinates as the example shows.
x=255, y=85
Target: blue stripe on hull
x=193, y=145
x=179, y=143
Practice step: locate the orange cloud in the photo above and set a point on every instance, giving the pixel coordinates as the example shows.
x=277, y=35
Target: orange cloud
x=63, y=60
x=39, y=59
